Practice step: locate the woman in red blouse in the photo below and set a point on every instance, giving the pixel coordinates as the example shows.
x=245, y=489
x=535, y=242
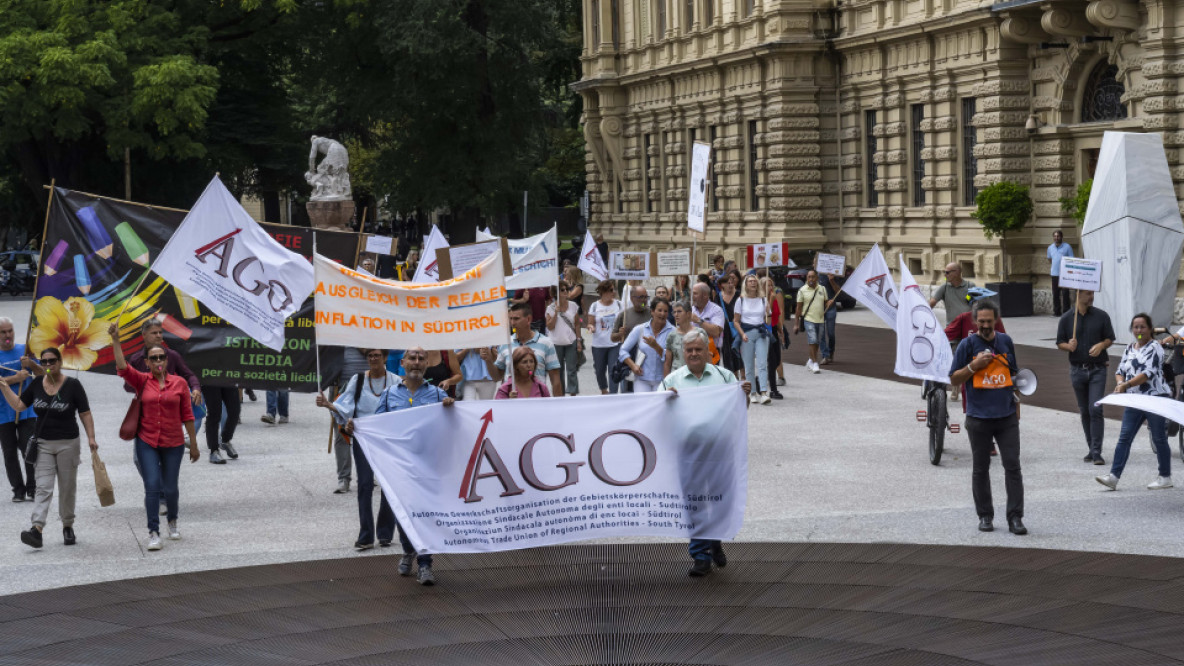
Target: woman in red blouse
x=166, y=416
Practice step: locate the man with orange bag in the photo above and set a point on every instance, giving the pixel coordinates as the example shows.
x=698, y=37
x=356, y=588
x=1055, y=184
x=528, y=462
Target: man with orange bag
x=986, y=360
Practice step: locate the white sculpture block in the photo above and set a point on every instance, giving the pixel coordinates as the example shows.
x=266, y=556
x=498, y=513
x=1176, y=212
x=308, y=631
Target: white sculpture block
x=1133, y=225
x=330, y=178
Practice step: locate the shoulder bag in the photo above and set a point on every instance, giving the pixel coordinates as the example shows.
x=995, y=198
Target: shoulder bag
x=31, y=444
x=805, y=310
x=131, y=420
x=581, y=358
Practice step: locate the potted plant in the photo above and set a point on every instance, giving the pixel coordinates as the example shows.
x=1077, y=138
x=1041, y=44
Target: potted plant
x=1001, y=208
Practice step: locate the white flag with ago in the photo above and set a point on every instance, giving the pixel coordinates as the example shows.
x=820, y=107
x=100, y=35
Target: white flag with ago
x=428, y=270
x=223, y=258
x=590, y=260
x=872, y=285
x=922, y=349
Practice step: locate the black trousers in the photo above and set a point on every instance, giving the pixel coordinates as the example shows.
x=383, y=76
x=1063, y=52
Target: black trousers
x=774, y=362
x=12, y=442
x=218, y=398
x=1060, y=297
x=1005, y=433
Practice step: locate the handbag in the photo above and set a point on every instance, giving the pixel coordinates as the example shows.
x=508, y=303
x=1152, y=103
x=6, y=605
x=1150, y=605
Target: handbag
x=31, y=444
x=798, y=329
x=131, y=420
x=581, y=357
x=103, y=485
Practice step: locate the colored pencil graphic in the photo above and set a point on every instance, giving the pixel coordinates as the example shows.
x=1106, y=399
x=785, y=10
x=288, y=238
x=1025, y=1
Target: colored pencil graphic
x=99, y=239
x=81, y=274
x=171, y=325
x=189, y=309
x=55, y=257
x=132, y=243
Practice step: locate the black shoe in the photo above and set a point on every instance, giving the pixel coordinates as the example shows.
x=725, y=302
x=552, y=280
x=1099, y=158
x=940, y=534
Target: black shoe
x=984, y=525
x=776, y=395
x=217, y=458
x=1016, y=526
x=30, y=494
x=229, y=449
x=718, y=556
x=1099, y=460
x=250, y=394
x=1089, y=458
x=363, y=546
x=31, y=537
x=68, y=536
x=18, y=495
x=385, y=543
x=700, y=568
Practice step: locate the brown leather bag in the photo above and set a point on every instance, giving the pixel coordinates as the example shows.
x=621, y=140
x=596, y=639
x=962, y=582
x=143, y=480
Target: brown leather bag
x=131, y=421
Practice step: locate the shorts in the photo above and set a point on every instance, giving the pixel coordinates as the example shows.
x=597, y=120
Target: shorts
x=813, y=332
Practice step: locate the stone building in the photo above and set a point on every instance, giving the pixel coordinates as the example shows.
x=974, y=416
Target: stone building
x=867, y=121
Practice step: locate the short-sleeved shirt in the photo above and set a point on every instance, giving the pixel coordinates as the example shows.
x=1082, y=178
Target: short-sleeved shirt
x=606, y=317
x=1147, y=361
x=10, y=364
x=544, y=354
x=674, y=346
x=563, y=334
x=652, y=364
x=399, y=397
x=173, y=365
x=537, y=297
x=683, y=378
x=473, y=367
x=163, y=411
x=986, y=403
x=712, y=314
x=956, y=299
x=813, y=300
x=1054, y=257
x=60, y=422
x=630, y=318
x=367, y=400
x=1092, y=327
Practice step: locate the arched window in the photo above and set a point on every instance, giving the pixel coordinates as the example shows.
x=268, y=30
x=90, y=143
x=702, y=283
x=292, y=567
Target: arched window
x=1102, y=98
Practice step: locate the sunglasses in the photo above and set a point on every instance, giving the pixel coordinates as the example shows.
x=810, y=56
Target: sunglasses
x=49, y=361
x=157, y=357
x=948, y=272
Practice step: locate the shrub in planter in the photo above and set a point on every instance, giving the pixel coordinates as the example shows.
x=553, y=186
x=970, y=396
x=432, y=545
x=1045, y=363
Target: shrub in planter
x=1075, y=205
x=1000, y=208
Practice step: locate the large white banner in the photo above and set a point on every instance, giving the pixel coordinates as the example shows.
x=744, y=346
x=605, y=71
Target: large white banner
x=1165, y=407
x=697, y=192
x=590, y=260
x=922, y=348
x=428, y=270
x=871, y=284
x=535, y=259
x=508, y=474
x=359, y=310
x=224, y=259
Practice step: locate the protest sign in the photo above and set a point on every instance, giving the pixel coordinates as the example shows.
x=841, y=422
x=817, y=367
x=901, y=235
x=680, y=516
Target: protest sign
x=508, y=474
x=364, y=311
x=677, y=262
x=830, y=264
x=762, y=255
x=428, y=269
x=458, y=259
x=697, y=192
x=1079, y=273
x=381, y=244
x=629, y=265
x=590, y=260
x=217, y=352
x=536, y=259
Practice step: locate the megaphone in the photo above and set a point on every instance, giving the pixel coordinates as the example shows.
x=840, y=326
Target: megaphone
x=1025, y=381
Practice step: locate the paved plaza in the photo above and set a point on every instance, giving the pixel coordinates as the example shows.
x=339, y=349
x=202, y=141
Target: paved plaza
x=841, y=459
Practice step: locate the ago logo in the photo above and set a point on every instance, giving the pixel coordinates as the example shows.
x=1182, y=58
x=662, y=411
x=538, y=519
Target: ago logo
x=245, y=269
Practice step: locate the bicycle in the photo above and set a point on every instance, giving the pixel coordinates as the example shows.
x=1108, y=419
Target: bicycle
x=936, y=417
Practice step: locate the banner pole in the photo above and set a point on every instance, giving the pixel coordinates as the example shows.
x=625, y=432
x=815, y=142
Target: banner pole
x=314, y=317
x=126, y=303
x=41, y=253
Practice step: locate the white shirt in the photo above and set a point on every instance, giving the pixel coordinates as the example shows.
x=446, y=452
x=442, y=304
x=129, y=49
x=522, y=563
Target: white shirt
x=712, y=314
x=606, y=316
x=367, y=400
x=752, y=311
x=563, y=334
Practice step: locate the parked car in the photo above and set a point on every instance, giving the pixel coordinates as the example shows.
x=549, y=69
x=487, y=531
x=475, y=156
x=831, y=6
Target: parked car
x=791, y=278
x=20, y=259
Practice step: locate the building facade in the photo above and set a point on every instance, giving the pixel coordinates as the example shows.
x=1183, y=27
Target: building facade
x=842, y=123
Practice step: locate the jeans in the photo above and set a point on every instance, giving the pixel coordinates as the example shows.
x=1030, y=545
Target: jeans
x=603, y=359
x=386, y=516
x=1060, y=297
x=1132, y=420
x=12, y=441
x=1089, y=385
x=160, y=468
x=1005, y=432
x=700, y=549
x=827, y=340
x=218, y=398
x=568, y=372
x=277, y=401
x=758, y=347
x=56, y=459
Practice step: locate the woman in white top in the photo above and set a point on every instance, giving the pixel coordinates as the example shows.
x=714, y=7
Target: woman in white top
x=565, y=334
x=752, y=315
x=601, y=316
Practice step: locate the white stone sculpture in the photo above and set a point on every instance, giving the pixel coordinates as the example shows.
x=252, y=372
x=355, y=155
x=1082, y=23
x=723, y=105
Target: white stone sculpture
x=329, y=179
x=1133, y=225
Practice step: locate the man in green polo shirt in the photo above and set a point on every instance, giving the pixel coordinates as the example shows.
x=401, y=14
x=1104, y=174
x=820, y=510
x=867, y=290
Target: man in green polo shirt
x=698, y=372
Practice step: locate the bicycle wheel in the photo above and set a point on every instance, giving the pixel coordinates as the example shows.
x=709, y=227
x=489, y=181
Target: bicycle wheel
x=938, y=419
x=1180, y=443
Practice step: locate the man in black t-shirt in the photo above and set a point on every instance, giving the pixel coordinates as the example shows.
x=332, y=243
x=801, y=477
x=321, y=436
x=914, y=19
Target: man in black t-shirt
x=1086, y=333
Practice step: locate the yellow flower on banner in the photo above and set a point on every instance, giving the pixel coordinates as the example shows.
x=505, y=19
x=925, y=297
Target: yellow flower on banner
x=71, y=327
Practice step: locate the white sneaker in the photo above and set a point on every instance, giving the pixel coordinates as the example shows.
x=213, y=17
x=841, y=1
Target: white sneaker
x=154, y=541
x=765, y=399
x=1160, y=483
x=1110, y=481
x=815, y=367
x=174, y=533
x=754, y=397
x=283, y=419
x=809, y=364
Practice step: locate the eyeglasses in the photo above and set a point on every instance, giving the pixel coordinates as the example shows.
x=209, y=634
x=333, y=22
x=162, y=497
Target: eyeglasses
x=157, y=357
x=49, y=361
x=563, y=289
x=948, y=272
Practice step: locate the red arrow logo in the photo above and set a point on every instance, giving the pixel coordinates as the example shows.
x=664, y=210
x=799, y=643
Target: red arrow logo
x=464, y=486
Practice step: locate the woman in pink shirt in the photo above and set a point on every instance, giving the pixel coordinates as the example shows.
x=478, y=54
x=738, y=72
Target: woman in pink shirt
x=523, y=383
x=166, y=416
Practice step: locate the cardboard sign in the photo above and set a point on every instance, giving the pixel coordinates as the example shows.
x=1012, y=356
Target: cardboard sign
x=677, y=262
x=763, y=255
x=381, y=244
x=830, y=264
x=1078, y=273
x=629, y=265
x=456, y=259
x=697, y=192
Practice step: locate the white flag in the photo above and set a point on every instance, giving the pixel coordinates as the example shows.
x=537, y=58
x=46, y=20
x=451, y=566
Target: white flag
x=224, y=259
x=535, y=259
x=590, y=260
x=697, y=192
x=872, y=285
x=922, y=348
x=1169, y=408
x=507, y=474
x=428, y=270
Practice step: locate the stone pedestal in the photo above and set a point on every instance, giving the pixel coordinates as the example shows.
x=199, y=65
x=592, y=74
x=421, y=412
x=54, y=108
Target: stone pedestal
x=331, y=215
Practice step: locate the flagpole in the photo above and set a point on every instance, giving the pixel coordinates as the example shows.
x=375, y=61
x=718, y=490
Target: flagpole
x=314, y=316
